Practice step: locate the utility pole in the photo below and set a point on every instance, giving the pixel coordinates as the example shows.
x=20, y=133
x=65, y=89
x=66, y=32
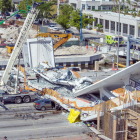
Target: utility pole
x=118, y=37
x=57, y=7
x=128, y=52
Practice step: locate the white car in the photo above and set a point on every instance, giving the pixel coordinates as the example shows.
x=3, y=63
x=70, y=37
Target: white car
x=51, y=27
x=55, y=28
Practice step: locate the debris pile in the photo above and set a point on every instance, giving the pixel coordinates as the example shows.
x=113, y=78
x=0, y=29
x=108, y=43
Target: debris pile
x=61, y=80
x=73, y=50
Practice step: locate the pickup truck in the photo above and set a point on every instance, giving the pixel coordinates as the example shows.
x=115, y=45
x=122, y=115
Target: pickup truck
x=25, y=96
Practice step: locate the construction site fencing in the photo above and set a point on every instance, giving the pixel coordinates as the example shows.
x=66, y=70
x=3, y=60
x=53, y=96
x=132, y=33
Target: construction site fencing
x=110, y=104
x=104, y=106
x=43, y=29
x=25, y=85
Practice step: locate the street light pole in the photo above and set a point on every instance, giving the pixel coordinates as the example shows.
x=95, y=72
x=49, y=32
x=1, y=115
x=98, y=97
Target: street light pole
x=118, y=38
x=57, y=7
x=81, y=36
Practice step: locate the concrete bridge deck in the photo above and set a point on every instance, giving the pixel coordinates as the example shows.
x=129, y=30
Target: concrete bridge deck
x=115, y=81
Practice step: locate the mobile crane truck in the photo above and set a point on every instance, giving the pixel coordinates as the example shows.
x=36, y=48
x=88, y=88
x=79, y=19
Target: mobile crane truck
x=17, y=96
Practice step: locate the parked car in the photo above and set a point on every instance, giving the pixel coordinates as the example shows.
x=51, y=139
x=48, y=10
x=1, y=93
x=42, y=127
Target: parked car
x=56, y=29
x=69, y=32
x=36, y=21
x=51, y=26
x=7, y=14
x=46, y=104
x=18, y=16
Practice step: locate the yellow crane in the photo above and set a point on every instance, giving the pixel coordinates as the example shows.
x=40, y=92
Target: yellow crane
x=64, y=38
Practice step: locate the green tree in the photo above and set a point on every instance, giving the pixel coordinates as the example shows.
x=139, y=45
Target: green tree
x=99, y=26
x=44, y=8
x=126, y=10
x=5, y=5
x=76, y=19
x=133, y=12
x=129, y=3
x=64, y=18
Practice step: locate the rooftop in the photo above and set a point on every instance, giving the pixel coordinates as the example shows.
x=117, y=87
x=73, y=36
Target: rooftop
x=112, y=14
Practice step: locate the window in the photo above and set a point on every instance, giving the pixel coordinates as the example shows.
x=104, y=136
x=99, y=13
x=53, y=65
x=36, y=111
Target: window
x=110, y=0
x=104, y=7
x=93, y=7
x=99, y=7
x=83, y=6
x=47, y=102
x=89, y=7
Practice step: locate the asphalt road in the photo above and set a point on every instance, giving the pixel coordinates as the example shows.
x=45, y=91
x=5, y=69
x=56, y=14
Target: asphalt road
x=23, y=122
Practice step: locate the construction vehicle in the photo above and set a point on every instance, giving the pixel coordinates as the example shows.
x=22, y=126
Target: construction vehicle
x=22, y=96
x=65, y=38
x=113, y=40
x=31, y=16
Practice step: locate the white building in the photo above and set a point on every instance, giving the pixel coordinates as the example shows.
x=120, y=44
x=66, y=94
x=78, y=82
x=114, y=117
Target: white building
x=128, y=24
x=92, y=4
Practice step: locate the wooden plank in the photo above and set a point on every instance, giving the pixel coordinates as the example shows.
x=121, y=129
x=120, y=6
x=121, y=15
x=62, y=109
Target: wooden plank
x=98, y=120
x=114, y=128
x=138, y=129
x=126, y=128
x=99, y=134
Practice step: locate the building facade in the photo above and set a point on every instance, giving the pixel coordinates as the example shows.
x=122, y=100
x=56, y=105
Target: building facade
x=128, y=24
x=92, y=4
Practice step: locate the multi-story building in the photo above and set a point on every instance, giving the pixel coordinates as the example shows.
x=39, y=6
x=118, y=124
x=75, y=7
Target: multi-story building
x=92, y=4
x=129, y=25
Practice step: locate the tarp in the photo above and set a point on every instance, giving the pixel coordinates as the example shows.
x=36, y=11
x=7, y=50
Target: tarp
x=74, y=116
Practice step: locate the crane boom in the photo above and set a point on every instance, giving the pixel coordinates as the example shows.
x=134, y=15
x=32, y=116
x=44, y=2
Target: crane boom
x=21, y=39
x=23, y=11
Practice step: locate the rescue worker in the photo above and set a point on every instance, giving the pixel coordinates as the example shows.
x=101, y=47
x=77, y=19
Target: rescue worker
x=2, y=105
x=38, y=76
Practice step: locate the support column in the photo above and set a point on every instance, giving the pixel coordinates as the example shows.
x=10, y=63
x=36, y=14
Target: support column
x=88, y=24
x=121, y=29
x=128, y=29
x=98, y=21
x=72, y=64
x=86, y=7
x=128, y=52
x=56, y=64
x=103, y=25
x=109, y=26
x=115, y=28
x=114, y=127
x=64, y=64
x=93, y=24
x=126, y=129
x=79, y=64
x=136, y=30
x=86, y=64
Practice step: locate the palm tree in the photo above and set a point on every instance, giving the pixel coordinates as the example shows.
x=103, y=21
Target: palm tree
x=126, y=10
x=123, y=4
x=129, y=3
x=133, y=12
x=116, y=3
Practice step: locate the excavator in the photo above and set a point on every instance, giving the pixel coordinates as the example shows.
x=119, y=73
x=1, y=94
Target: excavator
x=64, y=38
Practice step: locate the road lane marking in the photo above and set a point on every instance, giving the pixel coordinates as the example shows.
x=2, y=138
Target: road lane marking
x=37, y=129
x=32, y=122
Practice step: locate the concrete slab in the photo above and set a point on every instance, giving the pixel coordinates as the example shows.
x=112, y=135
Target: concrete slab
x=115, y=81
